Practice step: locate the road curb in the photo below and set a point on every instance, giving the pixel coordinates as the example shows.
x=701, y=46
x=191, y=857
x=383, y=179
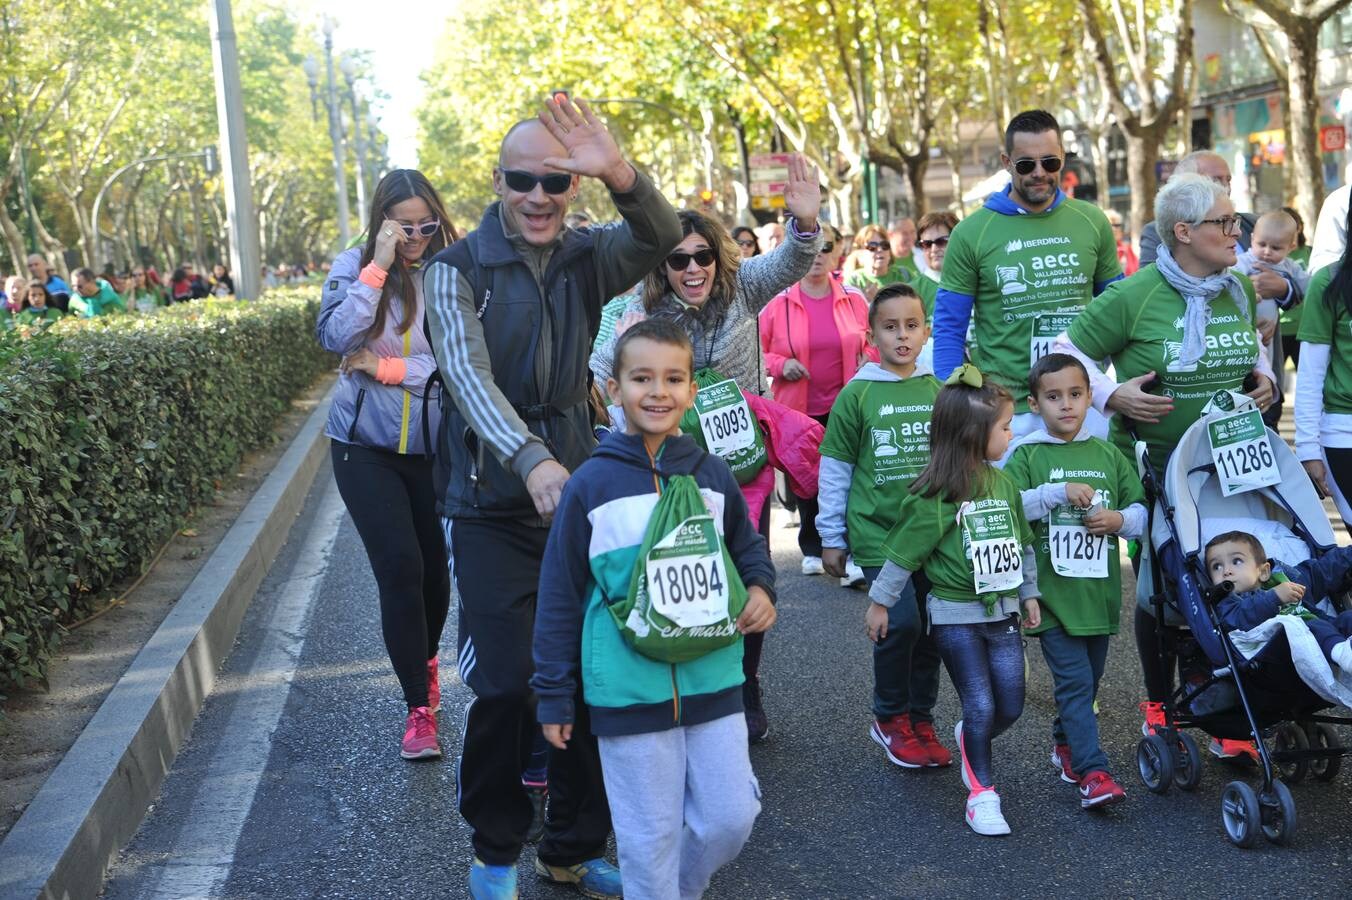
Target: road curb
x=93, y=802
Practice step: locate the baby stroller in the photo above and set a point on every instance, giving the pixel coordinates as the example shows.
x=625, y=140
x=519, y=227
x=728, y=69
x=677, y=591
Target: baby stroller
x=1221, y=692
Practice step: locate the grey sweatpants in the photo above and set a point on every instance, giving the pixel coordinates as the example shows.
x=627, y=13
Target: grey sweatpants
x=682, y=802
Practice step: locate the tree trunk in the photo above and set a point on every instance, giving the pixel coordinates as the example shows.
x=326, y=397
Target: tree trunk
x=14, y=242
x=842, y=208
x=1143, y=152
x=916, y=167
x=1302, y=127
x=1098, y=151
x=955, y=178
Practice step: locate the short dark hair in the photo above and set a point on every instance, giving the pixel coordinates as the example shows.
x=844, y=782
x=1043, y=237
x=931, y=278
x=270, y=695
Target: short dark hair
x=1237, y=537
x=84, y=273
x=890, y=292
x=1051, y=364
x=1030, y=121
x=663, y=331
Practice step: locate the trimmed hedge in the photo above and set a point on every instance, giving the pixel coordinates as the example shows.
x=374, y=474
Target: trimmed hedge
x=114, y=430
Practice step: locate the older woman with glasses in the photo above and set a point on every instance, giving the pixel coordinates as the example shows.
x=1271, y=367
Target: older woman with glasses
x=714, y=294
x=814, y=336
x=875, y=266
x=1178, y=331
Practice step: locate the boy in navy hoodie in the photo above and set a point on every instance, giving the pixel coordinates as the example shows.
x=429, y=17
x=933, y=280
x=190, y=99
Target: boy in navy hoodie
x=672, y=737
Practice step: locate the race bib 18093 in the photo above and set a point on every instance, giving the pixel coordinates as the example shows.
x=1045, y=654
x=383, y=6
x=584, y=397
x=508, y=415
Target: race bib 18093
x=1075, y=553
x=997, y=559
x=686, y=580
x=1241, y=452
x=725, y=418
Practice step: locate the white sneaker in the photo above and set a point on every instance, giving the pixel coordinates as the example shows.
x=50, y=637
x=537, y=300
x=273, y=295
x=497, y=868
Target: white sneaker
x=984, y=815
x=812, y=565
x=854, y=576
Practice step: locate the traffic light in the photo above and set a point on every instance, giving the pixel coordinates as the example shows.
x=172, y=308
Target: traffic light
x=706, y=196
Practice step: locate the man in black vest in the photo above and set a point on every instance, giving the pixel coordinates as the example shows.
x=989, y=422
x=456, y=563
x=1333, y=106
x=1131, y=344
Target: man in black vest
x=512, y=311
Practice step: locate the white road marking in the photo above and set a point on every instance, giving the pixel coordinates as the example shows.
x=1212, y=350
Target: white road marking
x=204, y=850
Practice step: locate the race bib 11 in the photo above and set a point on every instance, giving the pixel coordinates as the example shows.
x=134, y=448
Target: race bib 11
x=1046, y=327
x=1075, y=553
x=725, y=418
x=1241, y=452
x=686, y=580
x=997, y=558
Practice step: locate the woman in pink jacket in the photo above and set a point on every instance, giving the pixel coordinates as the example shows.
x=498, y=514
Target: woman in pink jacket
x=814, y=337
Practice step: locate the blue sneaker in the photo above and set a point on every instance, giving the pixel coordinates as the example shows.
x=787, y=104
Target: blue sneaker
x=595, y=878
x=492, y=882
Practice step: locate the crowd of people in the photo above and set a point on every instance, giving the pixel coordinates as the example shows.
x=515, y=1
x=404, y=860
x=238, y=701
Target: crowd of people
x=577, y=430
x=35, y=301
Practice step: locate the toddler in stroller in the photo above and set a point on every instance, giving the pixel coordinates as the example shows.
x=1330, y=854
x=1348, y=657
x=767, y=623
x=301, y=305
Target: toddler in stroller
x=1262, y=589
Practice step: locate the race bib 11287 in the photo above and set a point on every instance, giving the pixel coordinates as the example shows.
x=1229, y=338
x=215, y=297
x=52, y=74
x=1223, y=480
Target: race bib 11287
x=1075, y=553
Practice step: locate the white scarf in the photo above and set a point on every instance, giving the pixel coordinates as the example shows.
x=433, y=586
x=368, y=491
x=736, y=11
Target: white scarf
x=1198, y=294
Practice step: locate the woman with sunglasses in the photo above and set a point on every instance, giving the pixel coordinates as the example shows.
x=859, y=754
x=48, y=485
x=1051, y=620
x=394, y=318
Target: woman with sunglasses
x=139, y=294
x=745, y=238
x=707, y=288
x=876, y=267
x=814, y=336
x=372, y=314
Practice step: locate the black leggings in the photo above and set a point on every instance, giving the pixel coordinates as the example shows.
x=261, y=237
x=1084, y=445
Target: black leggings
x=809, y=541
x=393, y=504
x=1340, y=471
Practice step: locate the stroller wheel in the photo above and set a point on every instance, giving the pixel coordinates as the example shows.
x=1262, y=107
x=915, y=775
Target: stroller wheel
x=1279, y=814
x=1187, y=763
x=1322, y=737
x=1291, y=737
x=1155, y=763
x=1240, y=813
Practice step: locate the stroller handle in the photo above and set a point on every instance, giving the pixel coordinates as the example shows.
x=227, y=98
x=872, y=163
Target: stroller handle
x=1218, y=592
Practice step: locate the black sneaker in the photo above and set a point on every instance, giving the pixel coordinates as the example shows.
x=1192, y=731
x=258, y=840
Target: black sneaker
x=757, y=726
x=538, y=794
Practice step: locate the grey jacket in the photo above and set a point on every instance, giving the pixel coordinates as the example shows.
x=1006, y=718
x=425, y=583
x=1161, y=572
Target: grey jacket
x=364, y=411
x=725, y=333
x=512, y=325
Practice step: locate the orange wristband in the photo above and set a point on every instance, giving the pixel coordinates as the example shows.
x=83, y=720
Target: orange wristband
x=391, y=370
x=373, y=276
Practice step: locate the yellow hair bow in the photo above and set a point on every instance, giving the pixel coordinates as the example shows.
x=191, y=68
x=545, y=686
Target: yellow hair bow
x=966, y=374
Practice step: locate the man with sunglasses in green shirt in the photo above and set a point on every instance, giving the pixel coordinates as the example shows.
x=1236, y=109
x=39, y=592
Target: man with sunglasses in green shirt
x=1023, y=266
x=512, y=310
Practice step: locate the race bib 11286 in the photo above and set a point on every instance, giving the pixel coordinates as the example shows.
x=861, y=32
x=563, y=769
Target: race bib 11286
x=1242, y=453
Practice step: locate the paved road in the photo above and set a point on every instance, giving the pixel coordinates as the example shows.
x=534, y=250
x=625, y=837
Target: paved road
x=291, y=785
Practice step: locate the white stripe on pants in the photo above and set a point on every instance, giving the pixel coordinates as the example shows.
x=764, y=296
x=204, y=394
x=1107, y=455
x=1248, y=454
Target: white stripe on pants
x=682, y=802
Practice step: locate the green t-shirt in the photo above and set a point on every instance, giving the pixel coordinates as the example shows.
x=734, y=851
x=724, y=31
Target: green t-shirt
x=43, y=317
x=1290, y=318
x=1333, y=326
x=1139, y=323
x=1082, y=606
x=929, y=535
x=882, y=429
x=900, y=271
x=105, y=302
x=928, y=289
x=1029, y=275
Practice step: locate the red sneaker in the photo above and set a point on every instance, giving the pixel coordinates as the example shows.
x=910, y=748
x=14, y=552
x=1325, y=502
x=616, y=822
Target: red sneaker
x=1154, y=718
x=433, y=687
x=420, y=735
x=1061, y=760
x=1243, y=751
x=1099, y=789
x=895, y=736
x=938, y=753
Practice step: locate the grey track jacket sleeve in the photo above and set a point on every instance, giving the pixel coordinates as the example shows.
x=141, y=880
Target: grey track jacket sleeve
x=625, y=253
x=462, y=356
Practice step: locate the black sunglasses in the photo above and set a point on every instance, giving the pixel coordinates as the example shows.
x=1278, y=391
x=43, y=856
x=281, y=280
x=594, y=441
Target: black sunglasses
x=877, y=245
x=827, y=247
x=678, y=262
x=422, y=229
x=937, y=242
x=745, y=242
x=1025, y=165
x=525, y=182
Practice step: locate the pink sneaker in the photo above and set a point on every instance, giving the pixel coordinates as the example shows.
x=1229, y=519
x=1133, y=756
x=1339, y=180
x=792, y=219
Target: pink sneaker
x=420, y=735
x=433, y=687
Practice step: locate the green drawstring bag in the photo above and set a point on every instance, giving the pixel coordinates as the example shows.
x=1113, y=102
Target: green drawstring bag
x=721, y=422
x=685, y=594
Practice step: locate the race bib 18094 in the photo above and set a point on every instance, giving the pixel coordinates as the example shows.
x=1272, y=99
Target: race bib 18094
x=1241, y=452
x=1075, y=553
x=997, y=559
x=686, y=580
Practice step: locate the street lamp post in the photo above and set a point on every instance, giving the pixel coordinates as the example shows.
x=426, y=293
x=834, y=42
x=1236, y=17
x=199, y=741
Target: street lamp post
x=335, y=129
x=349, y=68
x=239, y=206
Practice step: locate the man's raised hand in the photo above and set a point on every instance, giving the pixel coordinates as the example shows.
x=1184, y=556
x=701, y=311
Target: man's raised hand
x=592, y=151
